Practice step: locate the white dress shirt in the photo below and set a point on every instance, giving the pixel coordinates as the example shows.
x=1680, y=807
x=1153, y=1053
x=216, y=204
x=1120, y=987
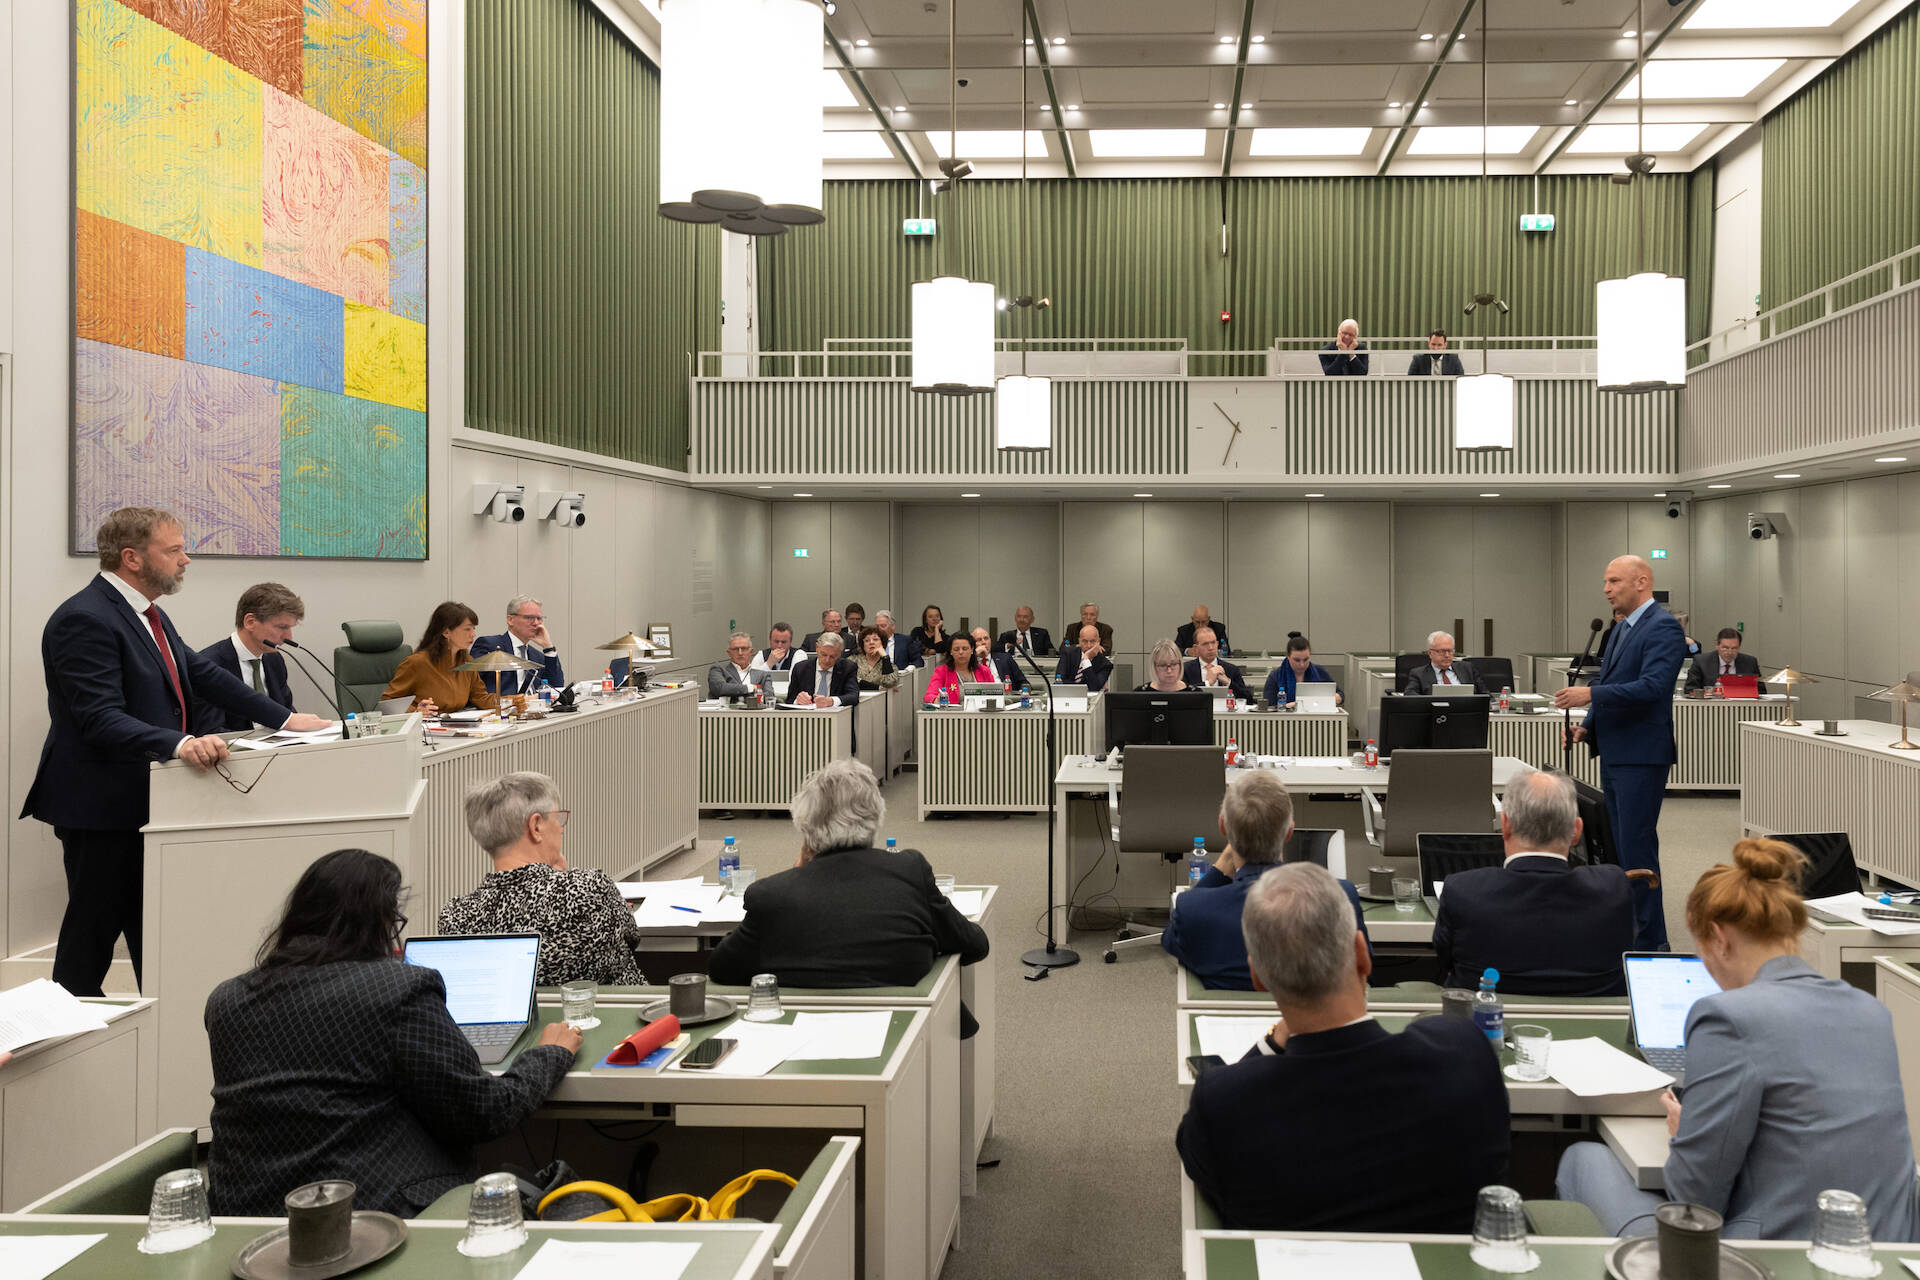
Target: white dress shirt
x=246, y=673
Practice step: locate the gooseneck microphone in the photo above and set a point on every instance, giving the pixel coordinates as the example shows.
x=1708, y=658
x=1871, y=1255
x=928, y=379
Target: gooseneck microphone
x=293, y=644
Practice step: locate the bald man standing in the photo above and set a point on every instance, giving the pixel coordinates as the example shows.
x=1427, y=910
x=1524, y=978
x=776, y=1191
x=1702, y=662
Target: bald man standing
x=1629, y=725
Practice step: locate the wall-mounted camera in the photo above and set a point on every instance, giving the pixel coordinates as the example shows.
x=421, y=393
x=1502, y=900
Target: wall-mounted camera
x=1679, y=502
x=1762, y=525
x=504, y=502
x=568, y=510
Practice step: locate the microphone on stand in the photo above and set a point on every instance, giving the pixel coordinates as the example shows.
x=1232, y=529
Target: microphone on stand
x=1573, y=673
x=293, y=644
x=1043, y=960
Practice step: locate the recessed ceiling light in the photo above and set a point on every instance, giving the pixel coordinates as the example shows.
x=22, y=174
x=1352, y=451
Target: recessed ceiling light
x=900, y=110
x=1661, y=494
x=1246, y=106
x=803, y=495
x=1464, y=139
x=1889, y=459
x=1786, y=475
x=1309, y=142
x=996, y=144
x=1143, y=495
x=1029, y=39
x=1258, y=39
x=1226, y=39
x=1316, y=495
x=1393, y=104
x=1702, y=78
x=1764, y=15
x=863, y=43
x=1623, y=139
x=969, y=495
x=1461, y=36
x=1219, y=106
x=1572, y=102
x=1059, y=40
x=1073, y=106
x=1426, y=35
x=1719, y=486
x=1425, y=105
x=1628, y=34
x=1135, y=143
x=763, y=486
x=1489, y=495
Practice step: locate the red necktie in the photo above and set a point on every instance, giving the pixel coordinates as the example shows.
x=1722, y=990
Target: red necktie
x=166, y=656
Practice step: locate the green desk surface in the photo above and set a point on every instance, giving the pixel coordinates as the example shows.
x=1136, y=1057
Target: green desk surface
x=1232, y=1258
x=1422, y=993
x=617, y=1024
x=1615, y=1031
x=428, y=1251
x=1386, y=911
x=921, y=990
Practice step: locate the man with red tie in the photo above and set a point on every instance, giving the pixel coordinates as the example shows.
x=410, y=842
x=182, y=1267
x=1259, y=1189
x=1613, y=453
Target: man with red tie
x=122, y=692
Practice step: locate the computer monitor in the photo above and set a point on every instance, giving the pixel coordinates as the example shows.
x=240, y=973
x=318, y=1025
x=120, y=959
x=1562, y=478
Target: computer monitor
x=1159, y=719
x=1440, y=722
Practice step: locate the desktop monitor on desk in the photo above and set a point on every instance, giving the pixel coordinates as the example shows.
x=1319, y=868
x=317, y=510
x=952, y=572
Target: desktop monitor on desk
x=1159, y=719
x=1440, y=722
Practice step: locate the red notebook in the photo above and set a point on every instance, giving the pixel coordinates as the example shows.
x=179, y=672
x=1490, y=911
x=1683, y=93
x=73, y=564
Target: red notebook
x=1739, y=686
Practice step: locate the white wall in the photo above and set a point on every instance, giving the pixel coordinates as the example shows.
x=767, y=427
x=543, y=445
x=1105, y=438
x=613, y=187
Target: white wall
x=1736, y=238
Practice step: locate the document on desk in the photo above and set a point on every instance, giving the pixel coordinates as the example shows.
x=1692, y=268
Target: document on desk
x=37, y=1257
x=1231, y=1037
x=841, y=1035
x=591, y=1259
x=40, y=1010
x=1348, y=1259
x=1592, y=1068
x=676, y=905
x=758, y=1048
x=968, y=902
x=1852, y=907
x=286, y=738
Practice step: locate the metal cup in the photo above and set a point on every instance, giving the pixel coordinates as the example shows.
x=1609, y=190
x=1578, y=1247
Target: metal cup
x=1689, y=1241
x=319, y=1222
x=1831, y=726
x=1455, y=1003
x=687, y=995
x=1380, y=881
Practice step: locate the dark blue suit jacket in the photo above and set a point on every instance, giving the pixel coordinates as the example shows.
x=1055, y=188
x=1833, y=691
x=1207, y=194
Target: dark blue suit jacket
x=1095, y=677
x=844, y=686
x=1236, y=678
x=113, y=711
x=1551, y=929
x=273, y=674
x=1415, y=1163
x=1203, y=933
x=518, y=681
x=1008, y=667
x=1037, y=636
x=1631, y=719
x=1280, y=682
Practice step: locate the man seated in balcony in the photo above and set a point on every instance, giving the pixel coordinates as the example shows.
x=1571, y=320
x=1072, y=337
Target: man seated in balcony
x=1349, y=359
x=1437, y=362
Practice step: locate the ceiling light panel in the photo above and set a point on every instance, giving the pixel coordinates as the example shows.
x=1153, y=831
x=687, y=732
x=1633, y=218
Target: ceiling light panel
x=854, y=146
x=1683, y=78
x=1767, y=15
x=1464, y=139
x=1309, y=142
x=1116, y=144
x=1622, y=139
x=990, y=144
x=836, y=92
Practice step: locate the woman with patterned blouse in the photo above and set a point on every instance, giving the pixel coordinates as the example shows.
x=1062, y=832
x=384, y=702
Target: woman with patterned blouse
x=587, y=933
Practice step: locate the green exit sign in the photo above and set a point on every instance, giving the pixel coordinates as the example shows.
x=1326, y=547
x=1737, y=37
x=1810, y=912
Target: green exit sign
x=916, y=226
x=800, y=553
x=1536, y=222
x=1659, y=553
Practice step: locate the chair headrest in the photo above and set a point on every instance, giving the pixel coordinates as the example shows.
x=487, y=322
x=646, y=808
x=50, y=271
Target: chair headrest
x=373, y=635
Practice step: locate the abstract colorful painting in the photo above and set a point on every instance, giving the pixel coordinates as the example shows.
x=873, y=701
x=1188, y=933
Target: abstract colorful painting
x=250, y=272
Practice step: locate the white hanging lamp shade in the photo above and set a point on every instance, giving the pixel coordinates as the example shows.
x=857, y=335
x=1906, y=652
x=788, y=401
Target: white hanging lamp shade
x=953, y=336
x=1023, y=413
x=1483, y=412
x=740, y=113
x=1642, y=328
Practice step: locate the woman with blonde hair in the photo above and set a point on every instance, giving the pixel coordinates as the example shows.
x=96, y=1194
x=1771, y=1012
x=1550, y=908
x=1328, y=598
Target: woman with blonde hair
x=1167, y=664
x=1792, y=1080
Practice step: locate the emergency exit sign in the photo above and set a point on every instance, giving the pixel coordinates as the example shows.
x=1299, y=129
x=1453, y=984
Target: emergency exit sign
x=1536, y=222
x=917, y=226
x=1659, y=553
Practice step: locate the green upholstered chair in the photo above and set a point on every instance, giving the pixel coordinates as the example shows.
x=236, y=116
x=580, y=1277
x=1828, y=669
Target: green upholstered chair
x=365, y=663
x=124, y=1185
x=1562, y=1218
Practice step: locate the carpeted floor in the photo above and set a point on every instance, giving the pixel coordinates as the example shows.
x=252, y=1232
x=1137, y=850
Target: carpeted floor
x=1087, y=1180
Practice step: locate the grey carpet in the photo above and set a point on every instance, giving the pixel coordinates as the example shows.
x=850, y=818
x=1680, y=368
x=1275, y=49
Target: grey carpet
x=1088, y=1180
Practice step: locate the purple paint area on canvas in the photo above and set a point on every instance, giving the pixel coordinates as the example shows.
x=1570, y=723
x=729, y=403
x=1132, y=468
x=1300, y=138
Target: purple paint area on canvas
x=199, y=441
x=407, y=209
x=252, y=321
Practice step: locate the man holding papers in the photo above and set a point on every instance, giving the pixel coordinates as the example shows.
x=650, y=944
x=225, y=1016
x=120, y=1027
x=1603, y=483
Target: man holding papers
x=1333, y=1123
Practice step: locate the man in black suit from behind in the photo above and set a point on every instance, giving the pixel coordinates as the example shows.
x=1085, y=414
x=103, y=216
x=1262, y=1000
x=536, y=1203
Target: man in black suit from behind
x=1317, y=1083
x=1725, y=660
x=263, y=620
x=846, y=914
x=826, y=679
x=1549, y=927
x=1436, y=361
x=123, y=691
x=1035, y=639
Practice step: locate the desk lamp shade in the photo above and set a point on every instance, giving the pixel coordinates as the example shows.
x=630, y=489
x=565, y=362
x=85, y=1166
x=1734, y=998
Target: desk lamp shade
x=1483, y=412
x=1023, y=413
x=628, y=641
x=1789, y=677
x=740, y=113
x=1903, y=693
x=497, y=661
x=953, y=336
x=1642, y=330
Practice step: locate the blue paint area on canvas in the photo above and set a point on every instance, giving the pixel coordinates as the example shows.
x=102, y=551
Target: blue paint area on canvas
x=252, y=321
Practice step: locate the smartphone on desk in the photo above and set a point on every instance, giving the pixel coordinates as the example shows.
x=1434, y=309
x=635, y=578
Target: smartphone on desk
x=708, y=1054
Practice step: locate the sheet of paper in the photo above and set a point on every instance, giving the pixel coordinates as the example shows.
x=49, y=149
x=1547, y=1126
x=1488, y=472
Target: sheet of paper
x=1853, y=906
x=676, y=908
x=969, y=902
x=760, y=1047
x=592, y=1259
x=37, y=1257
x=465, y=717
x=641, y=888
x=1348, y=1259
x=1231, y=1037
x=1912, y=1265
x=841, y=1035
x=40, y=1010
x=1592, y=1068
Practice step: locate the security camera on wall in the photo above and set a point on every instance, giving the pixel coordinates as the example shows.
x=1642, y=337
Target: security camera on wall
x=1679, y=502
x=503, y=502
x=1762, y=525
x=568, y=510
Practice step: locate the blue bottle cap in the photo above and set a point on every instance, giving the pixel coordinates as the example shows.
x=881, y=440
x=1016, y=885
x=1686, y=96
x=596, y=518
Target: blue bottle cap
x=1491, y=975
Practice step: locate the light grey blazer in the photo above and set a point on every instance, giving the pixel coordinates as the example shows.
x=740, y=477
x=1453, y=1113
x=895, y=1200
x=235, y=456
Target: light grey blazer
x=1793, y=1088
x=721, y=684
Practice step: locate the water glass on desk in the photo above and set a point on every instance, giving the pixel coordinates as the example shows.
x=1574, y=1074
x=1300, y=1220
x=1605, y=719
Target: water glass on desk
x=1842, y=1243
x=177, y=1216
x=1406, y=893
x=737, y=881
x=1532, y=1049
x=1500, y=1232
x=944, y=883
x=763, y=999
x=495, y=1224
x=576, y=1005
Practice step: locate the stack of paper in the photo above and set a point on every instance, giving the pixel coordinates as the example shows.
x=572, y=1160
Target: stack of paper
x=672, y=904
x=829, y=1036
x=1592, y=1068
x=1349, y=1259
x=1231, y=1037
x=1853, y=907
x=969, y=902
x=40, y=1010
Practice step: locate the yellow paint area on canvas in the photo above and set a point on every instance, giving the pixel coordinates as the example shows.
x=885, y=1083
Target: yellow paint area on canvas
x=386, y=357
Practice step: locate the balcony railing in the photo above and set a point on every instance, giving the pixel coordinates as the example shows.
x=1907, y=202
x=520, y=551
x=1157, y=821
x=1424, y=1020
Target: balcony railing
x=1889, y=275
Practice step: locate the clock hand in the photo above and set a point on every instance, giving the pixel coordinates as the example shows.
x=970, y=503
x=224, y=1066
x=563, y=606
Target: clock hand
x=1227, y=416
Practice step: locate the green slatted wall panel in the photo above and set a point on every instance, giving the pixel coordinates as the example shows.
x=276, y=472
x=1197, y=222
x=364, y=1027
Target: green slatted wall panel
x=582, y=302
x=1700, y=195
x=1842, y=165
x=1141, y=258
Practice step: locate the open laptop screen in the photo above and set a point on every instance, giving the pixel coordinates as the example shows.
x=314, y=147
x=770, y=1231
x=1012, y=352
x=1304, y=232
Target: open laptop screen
x=489, y=977
x=1662, y=989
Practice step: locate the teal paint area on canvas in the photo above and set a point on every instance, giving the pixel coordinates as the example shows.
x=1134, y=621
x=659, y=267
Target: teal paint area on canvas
x=353, y=477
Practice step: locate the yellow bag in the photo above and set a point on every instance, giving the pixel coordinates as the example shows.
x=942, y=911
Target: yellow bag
x=727, y=1198
x=674, y=1208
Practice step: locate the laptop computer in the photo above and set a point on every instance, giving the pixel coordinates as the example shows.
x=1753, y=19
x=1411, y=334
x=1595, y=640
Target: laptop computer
x=489, y=979
x=1661, y=989
x=1739, y=686
x=1315, y=697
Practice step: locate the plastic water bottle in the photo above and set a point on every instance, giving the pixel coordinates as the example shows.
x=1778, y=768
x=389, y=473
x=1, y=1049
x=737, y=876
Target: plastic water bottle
x=1488, y=1013
x=1372, y=757
x=1506, y=698
x=1233, y=750
x=1026, y=697
x=1230, y=702
x=1197, y=861
x=943, y=699
x=606, y=680
x=729, y=860
x=351, y=729
x=544, y=692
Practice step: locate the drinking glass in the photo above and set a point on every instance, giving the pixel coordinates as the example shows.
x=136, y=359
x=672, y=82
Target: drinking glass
x=177, y=1216
x=1406, y=894
x=738, y=880
x=576, y=1004
x=494, y=1222
x=1500, y=1232
x=1532, y=1046
x=944, y=884
x=763, y=998
x=1841, y=1241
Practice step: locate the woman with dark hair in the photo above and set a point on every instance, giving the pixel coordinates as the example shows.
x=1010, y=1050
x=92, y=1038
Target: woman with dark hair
x=428, y=676
x=929, y=640
x=334, y=1059
x=871, y=668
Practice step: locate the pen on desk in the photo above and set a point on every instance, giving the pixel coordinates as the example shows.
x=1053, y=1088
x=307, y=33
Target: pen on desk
x=678, y=907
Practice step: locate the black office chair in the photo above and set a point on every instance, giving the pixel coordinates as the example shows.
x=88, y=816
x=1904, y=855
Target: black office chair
x=1830, y=866
x=1168, y=795
x=1595, y=847
x=1447, y=853
x=1402, y=665
x=1323, y=846
x=1491, y=675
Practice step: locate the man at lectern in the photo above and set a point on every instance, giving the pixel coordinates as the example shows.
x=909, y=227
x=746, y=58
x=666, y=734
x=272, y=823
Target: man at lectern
x=123, y=690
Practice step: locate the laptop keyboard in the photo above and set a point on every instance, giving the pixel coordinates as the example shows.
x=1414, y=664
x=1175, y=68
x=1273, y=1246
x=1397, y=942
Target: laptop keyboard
x=497, y=1033
x=1671, y=1061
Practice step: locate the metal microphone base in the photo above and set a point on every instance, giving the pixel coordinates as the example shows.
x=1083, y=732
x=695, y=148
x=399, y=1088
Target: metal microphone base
x=1058, y=958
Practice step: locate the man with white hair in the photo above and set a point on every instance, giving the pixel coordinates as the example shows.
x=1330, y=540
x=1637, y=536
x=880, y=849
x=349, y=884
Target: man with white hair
x=1629, y=725
x=587, y=933
x=1404, y=1128
x=737, y=676
x=893, y=645
x=1442, y=671
x=1549, y=927
x=826, y=679
x=1203, y=933
x=525, y=637
x=846, y=914
x=1025, y=637
x=1349, y=359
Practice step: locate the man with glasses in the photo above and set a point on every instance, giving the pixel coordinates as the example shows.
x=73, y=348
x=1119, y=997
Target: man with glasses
x=525, y=637
x=736, y=677
x=1442, y=672
x=587, y=933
